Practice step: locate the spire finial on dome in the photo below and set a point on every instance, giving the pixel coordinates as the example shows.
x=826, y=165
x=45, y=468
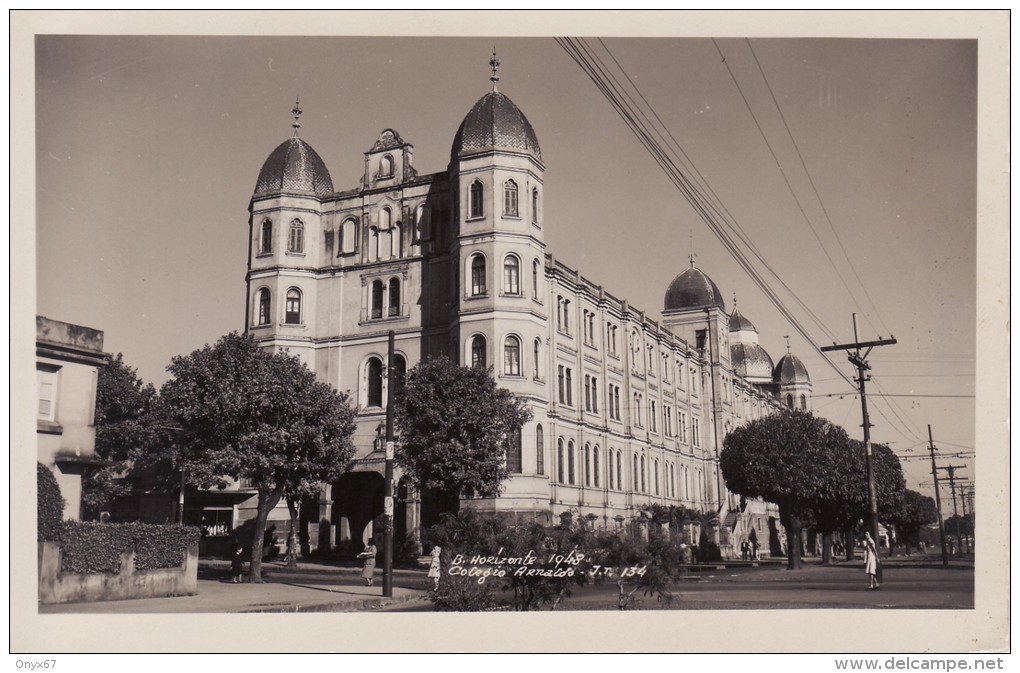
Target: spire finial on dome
x=494, y=64
x=296, y=111
x=693, y=254
x=787, y=337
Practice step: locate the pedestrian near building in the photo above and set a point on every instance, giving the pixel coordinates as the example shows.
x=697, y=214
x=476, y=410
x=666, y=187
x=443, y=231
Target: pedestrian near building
x=871, y=562
x=368, y=571
x=237, y=564
x=434, y=566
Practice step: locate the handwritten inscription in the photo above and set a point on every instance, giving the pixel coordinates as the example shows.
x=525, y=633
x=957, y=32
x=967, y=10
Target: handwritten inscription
x=556, y=566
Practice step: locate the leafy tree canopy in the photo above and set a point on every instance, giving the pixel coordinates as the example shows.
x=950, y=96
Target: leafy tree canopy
x=238, y=411
x=455, y=428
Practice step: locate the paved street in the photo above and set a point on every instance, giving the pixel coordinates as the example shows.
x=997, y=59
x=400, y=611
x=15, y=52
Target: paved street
x=909, y=583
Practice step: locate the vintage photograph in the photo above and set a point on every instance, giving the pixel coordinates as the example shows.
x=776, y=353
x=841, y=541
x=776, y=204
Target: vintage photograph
x=595, y=326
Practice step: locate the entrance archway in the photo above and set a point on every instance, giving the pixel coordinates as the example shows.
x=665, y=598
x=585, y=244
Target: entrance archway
x=357, y=501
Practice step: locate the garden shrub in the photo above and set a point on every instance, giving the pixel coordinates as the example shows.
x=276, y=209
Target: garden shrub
x=90, y=547
x=50, y=505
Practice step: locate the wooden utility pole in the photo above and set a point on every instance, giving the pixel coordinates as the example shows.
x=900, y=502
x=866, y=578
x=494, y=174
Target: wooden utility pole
x=387, y=581
x=860, y=360
x=938, y=499
x=951, y=469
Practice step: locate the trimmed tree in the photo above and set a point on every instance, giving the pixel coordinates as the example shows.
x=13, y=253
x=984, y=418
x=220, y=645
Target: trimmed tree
x=123, y=402
x=238, y=411
x=915, y=511
x=782, y=458
x=456, y=426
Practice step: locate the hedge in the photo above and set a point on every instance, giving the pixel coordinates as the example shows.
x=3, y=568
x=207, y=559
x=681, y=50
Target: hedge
x=50, y=505
x=90, y=547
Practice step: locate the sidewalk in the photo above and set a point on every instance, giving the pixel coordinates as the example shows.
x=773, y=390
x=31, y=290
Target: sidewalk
x=309, y=588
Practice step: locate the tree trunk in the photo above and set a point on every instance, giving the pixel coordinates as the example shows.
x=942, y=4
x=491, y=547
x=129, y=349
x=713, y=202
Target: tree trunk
x=791, y=521
x=848, y=539
x=267, y=501
x=826, y=548
x=292, y=536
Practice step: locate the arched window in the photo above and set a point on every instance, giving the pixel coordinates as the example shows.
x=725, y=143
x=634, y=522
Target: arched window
x=539, y=450
x=296, y=240
x=595, y=465
x=349, y=235
x=538, y=358
x=803, y=402
x=399, y=374
x=656, y=477
x=534, y=205
x=477, y=275
x=510, y=198
x=373, y=244
x=587, y=464
x=394, y=296
x=644, y=485
x=559, y=461
x=386, y=167
x=535, y=266
x=266, y=245
x=265, y=317
x=619, y=470
x=478, y=352
x=293, y=308
x=511, y=275
x=512, y=356
x=611, y=480
x=636, y=477
x=375, y=382
x=422, y=224
x=789, y=401
x=475, y=200
x=514, y=453
x=377, y=298
x=570, y=462
x=396, y=241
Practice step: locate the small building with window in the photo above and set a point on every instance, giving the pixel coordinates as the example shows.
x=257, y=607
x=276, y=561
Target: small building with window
x=67, y=363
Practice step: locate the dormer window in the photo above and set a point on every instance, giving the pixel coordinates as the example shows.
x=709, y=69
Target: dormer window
x=386, y=167
x=510, y=198
x=475, y=200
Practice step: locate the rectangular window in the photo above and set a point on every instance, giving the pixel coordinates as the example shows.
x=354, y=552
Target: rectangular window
x=570, y=387
x=594, y=395
x=587, y=393
x=47, y=379
x=560, y=380
x=652, y=417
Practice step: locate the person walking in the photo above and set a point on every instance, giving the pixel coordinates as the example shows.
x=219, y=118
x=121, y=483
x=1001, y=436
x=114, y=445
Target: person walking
x=434, y=567
x=368, y=571
x=870, y=562
x=237, y=564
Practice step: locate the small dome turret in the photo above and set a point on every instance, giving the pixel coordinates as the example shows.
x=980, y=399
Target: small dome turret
x=294, y=167
x=790, y=370
x=693, y=289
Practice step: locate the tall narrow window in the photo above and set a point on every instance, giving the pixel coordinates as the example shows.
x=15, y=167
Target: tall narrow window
x=47, y=379
x=475, y=199
x=595, y=465
x=296, y=240
x=570, y=388
x=656, y=477
x=422, y=224
x=594, y=395
x=789, y=401
x=511, y=275
x=373, y=244
x=539, y=450
x=644, y=486
x=534, y=205
x=534, y=278
x=619, y=470
x=587, y=464
x=514, y=453
x=478, y=352
x=386, y=167
x=570, y=462
x=266, y=245
x=636, y=478
x=377, y=299
x=375, y=382
x=264, y=315
x=512, y=356
x=394, y=297
x=396, y=241
x=560, y=370
x=293, y=314
x=611, y=481
x=477, y=275
x=587, y=393
x=559, y=461
x=399, y=374
x=538, y=358
x=348, y=236
x=652, y=417
x=803, y=402
x=510, y=198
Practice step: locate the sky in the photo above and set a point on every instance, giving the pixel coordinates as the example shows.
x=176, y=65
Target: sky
x=148, y=147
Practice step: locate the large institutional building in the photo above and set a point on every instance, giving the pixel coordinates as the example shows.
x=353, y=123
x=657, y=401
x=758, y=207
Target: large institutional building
x=627, y=411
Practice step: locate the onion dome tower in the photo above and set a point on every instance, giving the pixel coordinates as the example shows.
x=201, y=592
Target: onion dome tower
x=791, y=377
x=694, y=310
x=289, y=207
x=748, y=359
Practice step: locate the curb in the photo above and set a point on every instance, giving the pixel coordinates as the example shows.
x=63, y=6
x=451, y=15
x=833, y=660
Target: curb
x=346, y=605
